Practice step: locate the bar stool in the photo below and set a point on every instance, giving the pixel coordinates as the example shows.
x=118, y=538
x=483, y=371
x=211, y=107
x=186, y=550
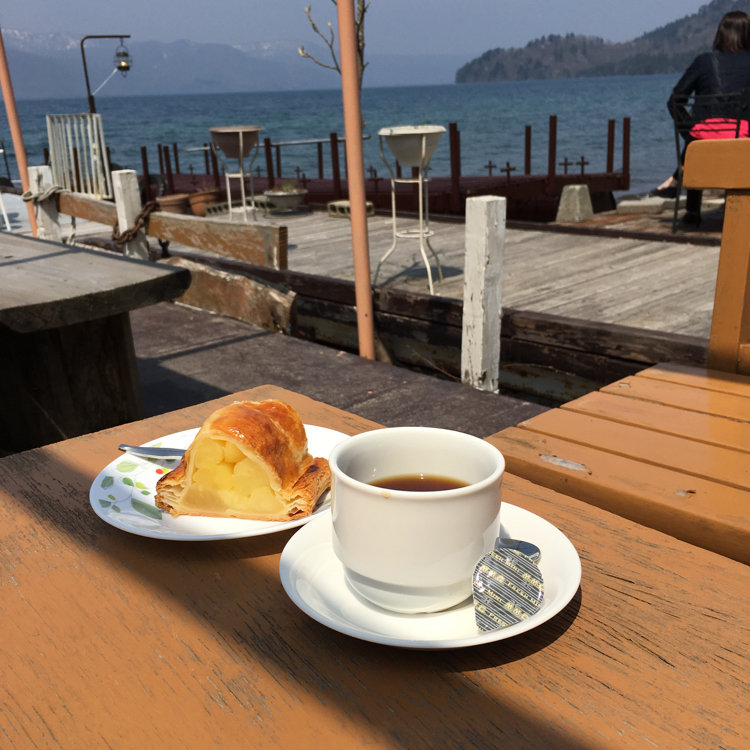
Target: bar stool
x=237, y=142
x=412, y=146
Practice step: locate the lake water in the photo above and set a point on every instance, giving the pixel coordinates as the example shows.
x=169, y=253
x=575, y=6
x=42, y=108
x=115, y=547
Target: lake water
x=490, y=116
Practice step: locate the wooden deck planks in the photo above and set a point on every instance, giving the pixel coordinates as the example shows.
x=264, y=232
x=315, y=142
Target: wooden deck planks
x=658, y=285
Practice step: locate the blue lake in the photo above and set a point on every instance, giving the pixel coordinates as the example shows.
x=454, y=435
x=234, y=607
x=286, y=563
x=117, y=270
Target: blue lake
x=491, y=118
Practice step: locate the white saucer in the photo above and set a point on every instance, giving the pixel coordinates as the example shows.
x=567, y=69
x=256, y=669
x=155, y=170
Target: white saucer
x=314, y=579
x=123, y=495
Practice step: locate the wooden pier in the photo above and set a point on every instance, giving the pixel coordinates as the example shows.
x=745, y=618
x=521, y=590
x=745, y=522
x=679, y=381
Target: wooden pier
x=582, y=304
x=578, y=308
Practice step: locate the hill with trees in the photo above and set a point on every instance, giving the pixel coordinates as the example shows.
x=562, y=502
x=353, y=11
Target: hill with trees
x=667, y=49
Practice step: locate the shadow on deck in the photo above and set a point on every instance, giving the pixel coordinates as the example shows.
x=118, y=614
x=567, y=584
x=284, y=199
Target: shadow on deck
x=186, y=356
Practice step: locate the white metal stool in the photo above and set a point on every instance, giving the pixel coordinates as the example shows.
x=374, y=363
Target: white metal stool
x=4, y=213
x=237, y=142
x=412, y=146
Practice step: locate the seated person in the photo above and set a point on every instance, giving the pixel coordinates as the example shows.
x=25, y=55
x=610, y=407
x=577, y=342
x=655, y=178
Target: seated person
x=726, y=69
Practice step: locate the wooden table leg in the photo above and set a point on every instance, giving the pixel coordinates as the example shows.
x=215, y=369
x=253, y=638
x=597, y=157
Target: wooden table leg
x=67, y=381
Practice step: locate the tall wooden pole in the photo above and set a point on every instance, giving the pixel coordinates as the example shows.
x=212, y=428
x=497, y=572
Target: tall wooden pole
x=15, y=130
x=356, y=177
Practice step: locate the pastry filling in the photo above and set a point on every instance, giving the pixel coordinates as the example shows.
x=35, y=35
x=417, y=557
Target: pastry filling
x=225, y=479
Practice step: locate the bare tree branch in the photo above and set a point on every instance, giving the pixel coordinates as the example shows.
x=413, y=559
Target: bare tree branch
x=329, y=40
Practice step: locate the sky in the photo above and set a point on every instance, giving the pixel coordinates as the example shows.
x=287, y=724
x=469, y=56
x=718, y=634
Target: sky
x=392, y=26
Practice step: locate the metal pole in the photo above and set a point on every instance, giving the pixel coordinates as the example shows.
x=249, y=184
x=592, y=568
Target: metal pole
x=356, y=177
x=15, y=130
x=92, y=106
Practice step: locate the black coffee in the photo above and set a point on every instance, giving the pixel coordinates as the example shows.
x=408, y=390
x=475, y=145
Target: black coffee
x=419, y=483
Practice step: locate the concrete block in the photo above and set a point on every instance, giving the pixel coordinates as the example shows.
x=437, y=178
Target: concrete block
x=575, y=204
x=650, y=205
x=342, y=208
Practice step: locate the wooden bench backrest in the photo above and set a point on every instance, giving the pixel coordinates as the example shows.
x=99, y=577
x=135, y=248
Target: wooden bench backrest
x=725, y=165
x=262, y=244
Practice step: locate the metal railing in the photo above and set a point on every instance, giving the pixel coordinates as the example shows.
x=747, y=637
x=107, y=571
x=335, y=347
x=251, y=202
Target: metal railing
x=78, y=155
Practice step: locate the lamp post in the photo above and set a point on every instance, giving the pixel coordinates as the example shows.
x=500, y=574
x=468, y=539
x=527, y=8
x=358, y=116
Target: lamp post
x=123, y=61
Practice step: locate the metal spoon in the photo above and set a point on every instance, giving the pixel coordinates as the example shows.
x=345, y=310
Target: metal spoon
x=507, y=585
x=149, y=452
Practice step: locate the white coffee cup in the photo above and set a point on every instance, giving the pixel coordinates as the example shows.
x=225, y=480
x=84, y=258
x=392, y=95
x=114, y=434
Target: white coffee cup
x=414, y=551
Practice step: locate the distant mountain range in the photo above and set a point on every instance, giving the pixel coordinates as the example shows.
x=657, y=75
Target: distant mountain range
x=668, y=49
x=45, y=66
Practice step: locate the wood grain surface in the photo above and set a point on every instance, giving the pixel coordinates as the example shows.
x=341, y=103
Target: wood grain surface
x=113, y=640
x=67, y=362
x=668, y=448
x=723, y=164
x=617, y=280
x=47, y=284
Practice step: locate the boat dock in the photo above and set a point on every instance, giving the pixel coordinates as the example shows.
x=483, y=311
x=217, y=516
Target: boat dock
x=581, y=302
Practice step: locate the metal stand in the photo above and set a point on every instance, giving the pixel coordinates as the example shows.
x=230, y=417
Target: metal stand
x=237, y=142
x=422, y=232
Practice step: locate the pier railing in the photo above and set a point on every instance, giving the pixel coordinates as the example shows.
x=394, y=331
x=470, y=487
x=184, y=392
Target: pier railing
x=518, y=183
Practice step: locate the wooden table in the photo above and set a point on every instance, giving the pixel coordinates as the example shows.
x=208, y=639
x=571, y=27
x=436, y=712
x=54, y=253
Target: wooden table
x=115, y=640
x=668, y=448
x=68, y=364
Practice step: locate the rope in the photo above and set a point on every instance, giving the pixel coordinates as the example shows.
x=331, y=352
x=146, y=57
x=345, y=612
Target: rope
x=38, y=197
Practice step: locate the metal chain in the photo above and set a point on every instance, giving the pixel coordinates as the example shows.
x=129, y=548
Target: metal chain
x=140, y=223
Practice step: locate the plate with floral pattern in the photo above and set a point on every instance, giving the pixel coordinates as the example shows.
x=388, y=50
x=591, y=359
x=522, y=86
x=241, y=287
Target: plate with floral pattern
x=123, y=495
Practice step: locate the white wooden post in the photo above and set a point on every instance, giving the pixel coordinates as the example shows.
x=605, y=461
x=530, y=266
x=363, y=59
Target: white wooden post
x=128, y=202
x=40, y=178
x=483, y=283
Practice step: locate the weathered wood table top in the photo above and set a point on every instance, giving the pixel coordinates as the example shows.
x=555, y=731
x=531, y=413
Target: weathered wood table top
x=47, y=285
x=116, y=640
x=668, y=448
x=67, y=362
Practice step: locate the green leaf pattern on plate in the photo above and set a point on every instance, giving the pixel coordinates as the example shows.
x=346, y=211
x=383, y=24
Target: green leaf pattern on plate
x=132, y=486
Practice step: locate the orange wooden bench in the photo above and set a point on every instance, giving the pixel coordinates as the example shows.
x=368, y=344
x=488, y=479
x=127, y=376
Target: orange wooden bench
x=669, y=447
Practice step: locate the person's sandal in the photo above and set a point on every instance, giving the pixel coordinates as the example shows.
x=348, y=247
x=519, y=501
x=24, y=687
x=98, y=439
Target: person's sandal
x=691, y=220
x=667, y=192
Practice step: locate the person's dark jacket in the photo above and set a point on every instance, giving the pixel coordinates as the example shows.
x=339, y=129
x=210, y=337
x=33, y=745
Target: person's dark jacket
x=710, y=73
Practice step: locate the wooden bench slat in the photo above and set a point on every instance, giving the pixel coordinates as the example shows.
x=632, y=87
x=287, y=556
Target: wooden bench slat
x=686, y=507
x=722, y=465
x=685, y=397
x=723, y=164
x=699, y=377
x=672, y=420
x=261, y=243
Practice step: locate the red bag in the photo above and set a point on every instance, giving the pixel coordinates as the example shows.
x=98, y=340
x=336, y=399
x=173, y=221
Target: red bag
x=719, y=127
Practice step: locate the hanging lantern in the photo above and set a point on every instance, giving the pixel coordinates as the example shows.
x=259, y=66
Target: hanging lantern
x=123, y=61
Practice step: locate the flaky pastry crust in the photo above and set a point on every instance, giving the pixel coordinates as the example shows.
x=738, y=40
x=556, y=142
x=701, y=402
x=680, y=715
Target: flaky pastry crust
x=270, y=434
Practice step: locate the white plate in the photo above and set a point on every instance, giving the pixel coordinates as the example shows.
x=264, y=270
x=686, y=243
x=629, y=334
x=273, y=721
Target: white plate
x=123, y=495
x=314, y=579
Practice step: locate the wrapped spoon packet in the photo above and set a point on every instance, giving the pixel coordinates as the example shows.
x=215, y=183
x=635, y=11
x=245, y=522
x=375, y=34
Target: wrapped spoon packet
x=507, y=585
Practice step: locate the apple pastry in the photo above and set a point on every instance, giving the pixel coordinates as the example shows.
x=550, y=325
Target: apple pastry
x=248, y=460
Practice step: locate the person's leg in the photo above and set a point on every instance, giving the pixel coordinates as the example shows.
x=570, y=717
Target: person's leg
x=692, y=215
